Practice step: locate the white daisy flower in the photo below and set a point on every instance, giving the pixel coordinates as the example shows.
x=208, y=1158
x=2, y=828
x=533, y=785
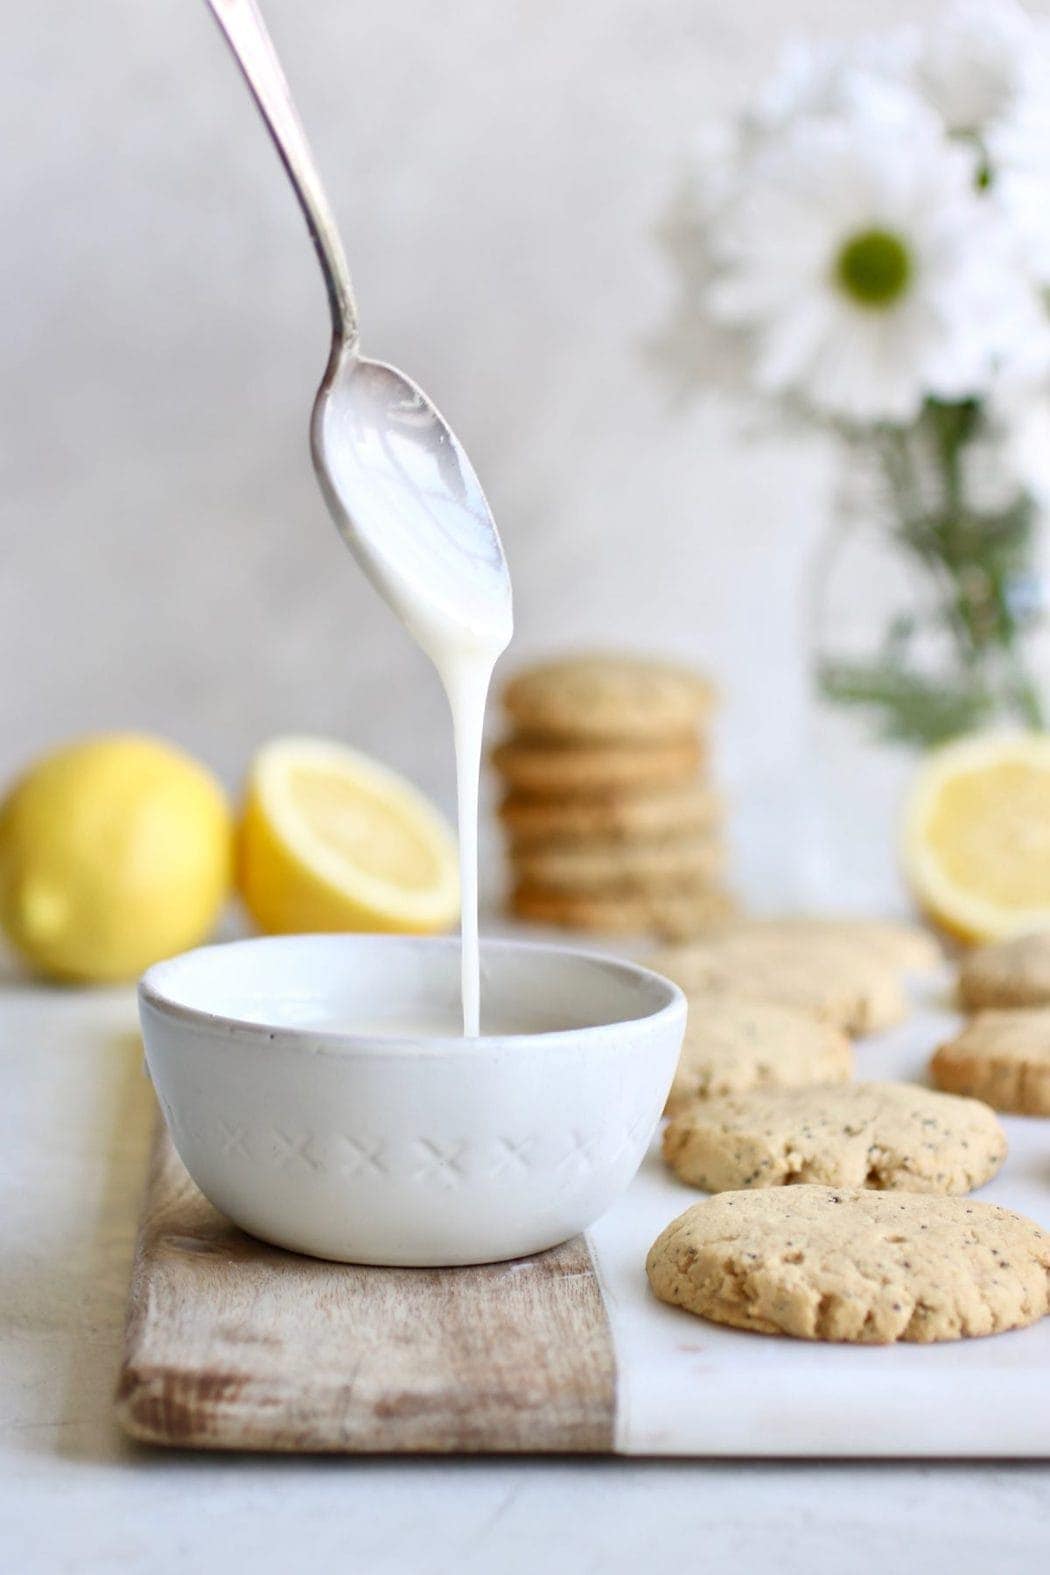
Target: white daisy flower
x=1022, y=366
x=691, y=339
x=1018, y=153
x=855, y=254
x=830, y=77
x=718, y=152
x=972, y=63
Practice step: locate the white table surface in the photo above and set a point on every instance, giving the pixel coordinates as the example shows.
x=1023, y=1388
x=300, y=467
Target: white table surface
x=74, y=1125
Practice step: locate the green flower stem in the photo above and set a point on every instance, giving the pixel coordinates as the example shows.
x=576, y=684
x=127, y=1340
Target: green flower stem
x=976, y=561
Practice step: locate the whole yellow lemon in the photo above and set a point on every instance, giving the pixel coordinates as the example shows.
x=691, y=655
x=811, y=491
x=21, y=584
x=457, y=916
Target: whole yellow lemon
x=114, y=852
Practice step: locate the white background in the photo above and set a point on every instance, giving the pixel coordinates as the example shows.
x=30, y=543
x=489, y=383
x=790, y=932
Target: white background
x=498, y=167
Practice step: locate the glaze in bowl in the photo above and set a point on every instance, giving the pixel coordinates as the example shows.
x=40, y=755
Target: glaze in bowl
x=312, y=1121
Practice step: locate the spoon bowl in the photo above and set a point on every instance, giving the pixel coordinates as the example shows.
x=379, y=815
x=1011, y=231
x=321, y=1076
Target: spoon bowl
x=406, y=500
x=396, y=479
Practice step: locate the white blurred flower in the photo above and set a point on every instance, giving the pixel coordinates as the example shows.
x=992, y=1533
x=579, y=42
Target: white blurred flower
x=829, y=77
x=1027, y=448
x=717, y=150
x=855, y=256
x=1022, y=365
x=692, y=347
x=973, y=62
x=1017, y=405
x=1018, y=151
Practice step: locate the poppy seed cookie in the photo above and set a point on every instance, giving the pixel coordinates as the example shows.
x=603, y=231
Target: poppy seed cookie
x=621, y=913
x=907, y=948
x=887, y=1136
x=656, y=815
x=608, y=697
x=534, y=765
x=733, y=1044
x=834, y=980
x=1011, y=973
x=1002, y=1058
x=622, y=866
x=826, y=1263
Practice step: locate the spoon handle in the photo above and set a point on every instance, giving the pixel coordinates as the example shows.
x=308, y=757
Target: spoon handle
x=253, y=48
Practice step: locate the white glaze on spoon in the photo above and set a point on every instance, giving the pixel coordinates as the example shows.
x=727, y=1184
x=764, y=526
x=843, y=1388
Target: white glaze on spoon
x=409, y=505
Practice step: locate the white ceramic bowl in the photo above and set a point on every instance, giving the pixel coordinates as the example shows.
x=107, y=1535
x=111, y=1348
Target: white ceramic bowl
x=408, y=1150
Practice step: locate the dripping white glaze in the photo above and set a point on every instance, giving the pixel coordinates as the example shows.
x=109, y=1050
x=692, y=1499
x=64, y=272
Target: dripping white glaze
x=408, y=503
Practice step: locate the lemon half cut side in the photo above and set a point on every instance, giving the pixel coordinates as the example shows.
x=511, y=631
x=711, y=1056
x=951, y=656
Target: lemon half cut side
x=977, y=835
x=332, y=840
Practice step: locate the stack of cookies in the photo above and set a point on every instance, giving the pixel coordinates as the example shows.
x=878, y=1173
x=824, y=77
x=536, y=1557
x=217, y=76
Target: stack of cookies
x=612, y=822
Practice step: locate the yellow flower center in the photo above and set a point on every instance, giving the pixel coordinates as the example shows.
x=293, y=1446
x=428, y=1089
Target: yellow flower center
x=874, y=268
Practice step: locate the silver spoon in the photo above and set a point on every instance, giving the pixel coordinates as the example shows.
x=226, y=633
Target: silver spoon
x=396, y=480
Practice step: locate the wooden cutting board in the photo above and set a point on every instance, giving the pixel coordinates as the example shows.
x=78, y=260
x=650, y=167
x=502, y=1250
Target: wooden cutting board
x=231, y=1344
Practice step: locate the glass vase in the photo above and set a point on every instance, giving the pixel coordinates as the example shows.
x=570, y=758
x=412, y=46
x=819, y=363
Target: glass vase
x=927, y=621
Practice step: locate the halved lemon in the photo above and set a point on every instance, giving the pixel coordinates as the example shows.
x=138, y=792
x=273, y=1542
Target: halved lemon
x=977, y=835
x=331, y=840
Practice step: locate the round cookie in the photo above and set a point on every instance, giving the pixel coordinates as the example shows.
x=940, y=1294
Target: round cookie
x=827, y=1263
x=679, y=918
x=533, y=765
x=608, y=697
x=1010, y=973
x=620, y=866
x=1002, y=1057
x=908, y=947
x=621, y=913
x=888, y=1136
x=834, y=980
x=733, y=1044
x=905, y=947
x=657, y=815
